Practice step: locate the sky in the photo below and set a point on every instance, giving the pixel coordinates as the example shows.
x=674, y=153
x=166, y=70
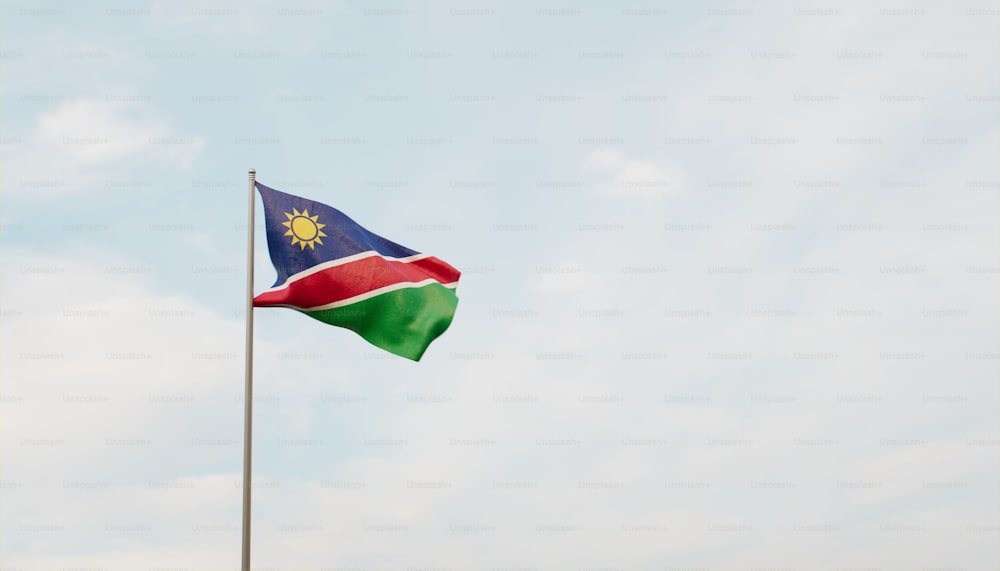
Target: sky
x=729, y=292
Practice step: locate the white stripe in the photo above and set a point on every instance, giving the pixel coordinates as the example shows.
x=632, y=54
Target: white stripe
x=339, y=262
x=375, y=292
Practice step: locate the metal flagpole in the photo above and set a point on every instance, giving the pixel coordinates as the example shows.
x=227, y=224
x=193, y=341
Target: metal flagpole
x=248, y=392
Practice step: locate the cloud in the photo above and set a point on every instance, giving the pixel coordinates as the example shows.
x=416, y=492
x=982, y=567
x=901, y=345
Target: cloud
x=119, y=420
x=81, y=141
x=637, y=177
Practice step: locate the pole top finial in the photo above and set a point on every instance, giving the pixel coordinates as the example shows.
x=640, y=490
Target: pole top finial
x=253, y=171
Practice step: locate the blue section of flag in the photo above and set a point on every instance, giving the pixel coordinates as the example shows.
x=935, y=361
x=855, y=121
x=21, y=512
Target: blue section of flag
x=344, y=237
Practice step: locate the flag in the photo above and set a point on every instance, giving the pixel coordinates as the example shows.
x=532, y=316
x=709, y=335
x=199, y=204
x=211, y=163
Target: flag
x=333, y=270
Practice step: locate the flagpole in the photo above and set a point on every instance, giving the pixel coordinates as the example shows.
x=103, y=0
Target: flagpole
x=248, y=391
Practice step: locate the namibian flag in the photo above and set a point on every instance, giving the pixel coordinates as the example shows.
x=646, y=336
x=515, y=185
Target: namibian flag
x=333, y=270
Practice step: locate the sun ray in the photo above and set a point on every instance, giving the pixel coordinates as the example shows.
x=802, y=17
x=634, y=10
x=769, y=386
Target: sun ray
x=304, y=229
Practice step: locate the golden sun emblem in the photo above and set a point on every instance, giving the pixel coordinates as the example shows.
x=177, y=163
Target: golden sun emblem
x=305, y=230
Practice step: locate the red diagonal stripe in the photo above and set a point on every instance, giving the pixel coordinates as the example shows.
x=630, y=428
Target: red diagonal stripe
x=355, y=278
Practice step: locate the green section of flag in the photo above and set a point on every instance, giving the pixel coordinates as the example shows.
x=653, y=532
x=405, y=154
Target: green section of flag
x=404, y=321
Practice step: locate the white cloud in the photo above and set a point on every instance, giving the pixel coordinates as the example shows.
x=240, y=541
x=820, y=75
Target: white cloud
x=82, y=140
x=648, y=178
x=117, y=400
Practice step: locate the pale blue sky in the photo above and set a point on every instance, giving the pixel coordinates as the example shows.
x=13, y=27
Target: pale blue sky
x=729, y=292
